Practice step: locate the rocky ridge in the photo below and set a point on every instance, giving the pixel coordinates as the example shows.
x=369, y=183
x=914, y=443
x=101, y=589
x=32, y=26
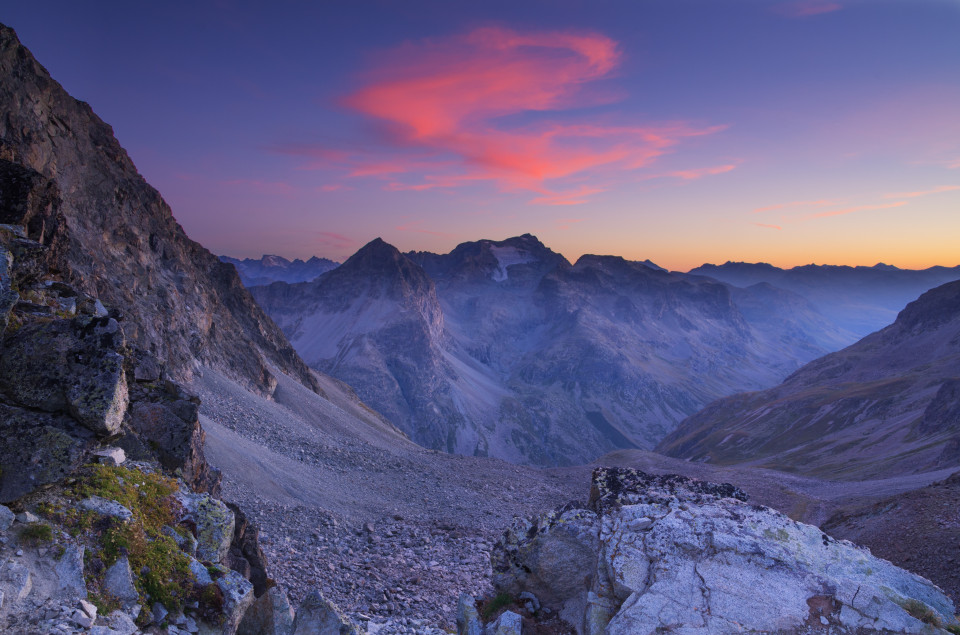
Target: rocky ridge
x=504, y=349
x=883, y=406
x=113, y=237
x=650, y=554
x=254, y=272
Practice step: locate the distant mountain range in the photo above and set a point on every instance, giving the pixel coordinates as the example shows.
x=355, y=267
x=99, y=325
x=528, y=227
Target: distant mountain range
x=860, y=300
x=270, y=268
x=504, y=348
x=889, y=404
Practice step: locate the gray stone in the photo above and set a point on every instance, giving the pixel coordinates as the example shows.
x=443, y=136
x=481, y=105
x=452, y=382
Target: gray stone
x=185, y=541
x=237, y=598
x=121, y=623
x=318, y=616
x=111, y=456
x=106, y=507
x=214, y=522
x=693, y=557
x=88, y=608
x=468, y=619
x=200, y=572
x=509, y=623
x=270, y=614
x=15, y=580
x=6, y=517
x=69, y=570
x=159, y=613
x=27, y=517
x=118, y=582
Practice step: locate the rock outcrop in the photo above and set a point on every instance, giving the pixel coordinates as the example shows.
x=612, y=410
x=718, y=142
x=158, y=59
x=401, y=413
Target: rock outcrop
x=67, y=181
x=653, y=554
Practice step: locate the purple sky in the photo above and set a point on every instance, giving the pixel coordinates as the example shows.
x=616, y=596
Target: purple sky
x=685, y=132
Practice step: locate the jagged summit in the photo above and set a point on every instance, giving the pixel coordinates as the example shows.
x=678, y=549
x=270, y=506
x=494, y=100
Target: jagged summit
x=520, y=260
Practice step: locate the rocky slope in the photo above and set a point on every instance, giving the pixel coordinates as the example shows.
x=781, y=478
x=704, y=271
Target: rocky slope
x=860, y=300
x=270, y=268
x=503, y=348
x=886, y=405
x=116, y=238
x=655, y=554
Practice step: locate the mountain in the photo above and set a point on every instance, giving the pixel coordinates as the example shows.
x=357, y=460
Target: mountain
x=504, y=348
x=887, y=405
x=860, y=300
x=269, y=269
x=120, y=242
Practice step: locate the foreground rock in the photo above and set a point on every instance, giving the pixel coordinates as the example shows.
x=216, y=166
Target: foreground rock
x=650, y=554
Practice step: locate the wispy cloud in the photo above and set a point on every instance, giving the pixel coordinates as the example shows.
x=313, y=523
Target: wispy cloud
x=817, y=203
x=574, y=197
x=857, y=208
x=690, y=175
x=807, y=8
x=485, y=106
x=333, y=187
x=332, y=240
x=767, y=225
x=566, y=223
x=917, y=194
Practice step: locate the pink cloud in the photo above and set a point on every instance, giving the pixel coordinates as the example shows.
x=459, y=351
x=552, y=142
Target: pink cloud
x=566, y=223
x=936, y=190
x=858, y=208
x=807, y=8
x=574, y=197
x=333, y=187
x=768, y=226
x=333, y=240
x=770, y=208
x=690, y=175
x=444, y=105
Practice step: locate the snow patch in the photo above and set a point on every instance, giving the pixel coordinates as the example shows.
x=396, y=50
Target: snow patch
x=507, y=257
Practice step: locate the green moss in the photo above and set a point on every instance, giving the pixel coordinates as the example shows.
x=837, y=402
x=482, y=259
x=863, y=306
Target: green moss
x=36, y=534
x=921, y=611
x=161, y=570
x=148, y=496
x=954, y=628
x=502, y=600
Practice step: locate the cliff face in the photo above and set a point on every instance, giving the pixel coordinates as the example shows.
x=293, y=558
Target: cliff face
x=119, y=239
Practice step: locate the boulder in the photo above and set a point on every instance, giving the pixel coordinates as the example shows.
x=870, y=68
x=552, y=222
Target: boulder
x=673, y=554
x=468, y=619
x=69, y=570
x=270, y=614
x=509, y=623
x=319, y=616
x=106, y=507
x=111, y=456
x=118, y=582
x=16, y=581
x=37, y=449
x=6, y=517
x=237, y=598
x=69, y=366
x=214, y=524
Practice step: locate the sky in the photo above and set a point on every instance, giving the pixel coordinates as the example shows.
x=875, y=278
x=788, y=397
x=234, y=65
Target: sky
x=681, y=131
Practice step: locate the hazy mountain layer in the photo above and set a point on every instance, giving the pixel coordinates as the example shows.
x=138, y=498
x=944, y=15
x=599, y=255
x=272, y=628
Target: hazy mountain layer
x=119, y=239
x=505, y=349
x=860, y=300
x=269, y=269
x=889, y=404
